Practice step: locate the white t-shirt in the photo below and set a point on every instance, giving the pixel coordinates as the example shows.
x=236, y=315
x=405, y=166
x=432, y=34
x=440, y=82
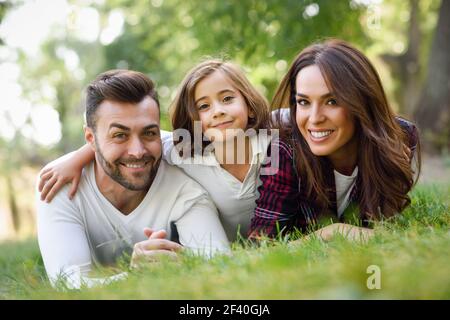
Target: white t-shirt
x=344, y=186
x=234, y=199
x=75, y=234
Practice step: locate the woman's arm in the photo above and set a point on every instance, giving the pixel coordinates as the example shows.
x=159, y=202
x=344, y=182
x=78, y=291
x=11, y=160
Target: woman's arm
x=63, y=170
x=277, y=206
x=348, y=231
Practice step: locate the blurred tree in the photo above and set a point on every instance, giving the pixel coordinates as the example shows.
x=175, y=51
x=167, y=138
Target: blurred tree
x=51, y=81
x=15, y=154
x=406, y=66
x=415, y=52
x=167, y=38
x=433, y=107
x=264, y=35
x=5, y=156
x=4, y=6
x=9, y=169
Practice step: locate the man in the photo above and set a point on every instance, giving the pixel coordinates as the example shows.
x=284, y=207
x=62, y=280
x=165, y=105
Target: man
x=124, y=192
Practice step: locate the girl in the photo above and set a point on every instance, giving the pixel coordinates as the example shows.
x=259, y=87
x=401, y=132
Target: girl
x=344, y=152
x=216, y=97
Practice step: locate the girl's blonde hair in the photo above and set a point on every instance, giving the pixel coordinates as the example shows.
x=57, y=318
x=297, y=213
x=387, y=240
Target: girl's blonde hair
x=183, y=110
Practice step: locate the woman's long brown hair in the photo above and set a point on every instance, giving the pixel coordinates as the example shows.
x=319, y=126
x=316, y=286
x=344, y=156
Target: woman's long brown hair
x=385, y=175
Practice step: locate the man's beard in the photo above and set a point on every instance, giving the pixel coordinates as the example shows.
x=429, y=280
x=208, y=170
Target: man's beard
x=113, y=170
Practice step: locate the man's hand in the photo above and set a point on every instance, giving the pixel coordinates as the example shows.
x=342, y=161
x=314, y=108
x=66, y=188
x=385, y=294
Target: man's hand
x=154, y=248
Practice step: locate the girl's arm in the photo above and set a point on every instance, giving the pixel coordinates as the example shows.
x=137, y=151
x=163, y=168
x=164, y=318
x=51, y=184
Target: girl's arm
x=63, y=170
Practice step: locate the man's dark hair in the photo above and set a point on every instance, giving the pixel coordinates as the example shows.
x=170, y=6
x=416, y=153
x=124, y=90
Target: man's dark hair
x=117, y=85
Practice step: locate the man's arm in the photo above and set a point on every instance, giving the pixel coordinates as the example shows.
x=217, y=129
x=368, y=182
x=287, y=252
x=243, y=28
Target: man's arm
x=199, y=228
x=63, y=244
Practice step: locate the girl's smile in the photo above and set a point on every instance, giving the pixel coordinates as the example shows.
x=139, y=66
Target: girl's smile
x=222, y=125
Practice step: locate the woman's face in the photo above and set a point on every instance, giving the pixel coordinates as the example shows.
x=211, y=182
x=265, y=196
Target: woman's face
x=325, y=124
x=221, y=107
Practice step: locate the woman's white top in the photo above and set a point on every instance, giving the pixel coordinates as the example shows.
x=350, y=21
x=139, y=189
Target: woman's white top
x=235, y=200
x=344, y=186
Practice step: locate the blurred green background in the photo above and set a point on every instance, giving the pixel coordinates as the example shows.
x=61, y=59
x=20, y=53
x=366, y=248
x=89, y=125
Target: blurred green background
x=50, y=50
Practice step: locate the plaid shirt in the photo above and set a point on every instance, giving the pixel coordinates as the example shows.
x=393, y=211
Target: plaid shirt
x=283, y=203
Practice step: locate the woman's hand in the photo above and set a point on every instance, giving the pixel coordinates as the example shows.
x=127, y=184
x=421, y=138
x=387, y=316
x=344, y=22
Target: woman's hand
x=349, y=232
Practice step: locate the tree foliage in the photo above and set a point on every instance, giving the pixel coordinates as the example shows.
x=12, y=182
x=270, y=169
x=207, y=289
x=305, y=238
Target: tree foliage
x=4, y=5
x=167, y=40
x=433, y=106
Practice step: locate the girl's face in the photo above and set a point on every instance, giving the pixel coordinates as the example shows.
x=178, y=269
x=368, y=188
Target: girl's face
x=327, y=126
x=221, y=107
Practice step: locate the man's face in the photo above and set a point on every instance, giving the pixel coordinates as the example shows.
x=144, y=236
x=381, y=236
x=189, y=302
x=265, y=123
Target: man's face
x=127, y=142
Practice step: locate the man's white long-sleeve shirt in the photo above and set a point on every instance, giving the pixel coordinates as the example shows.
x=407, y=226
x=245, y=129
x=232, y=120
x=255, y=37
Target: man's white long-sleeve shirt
x=76, y=234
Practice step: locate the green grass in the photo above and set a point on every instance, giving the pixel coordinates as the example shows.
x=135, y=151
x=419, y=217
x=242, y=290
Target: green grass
x=412, y=252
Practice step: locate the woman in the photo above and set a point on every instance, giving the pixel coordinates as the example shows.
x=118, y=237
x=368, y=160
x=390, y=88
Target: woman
x=345, y=154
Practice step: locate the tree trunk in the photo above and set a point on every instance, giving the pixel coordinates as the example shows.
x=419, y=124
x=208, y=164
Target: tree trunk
x=406, y=67
x=433, y=109
x=62, y=109
x=12, y=202
x=411, y=63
